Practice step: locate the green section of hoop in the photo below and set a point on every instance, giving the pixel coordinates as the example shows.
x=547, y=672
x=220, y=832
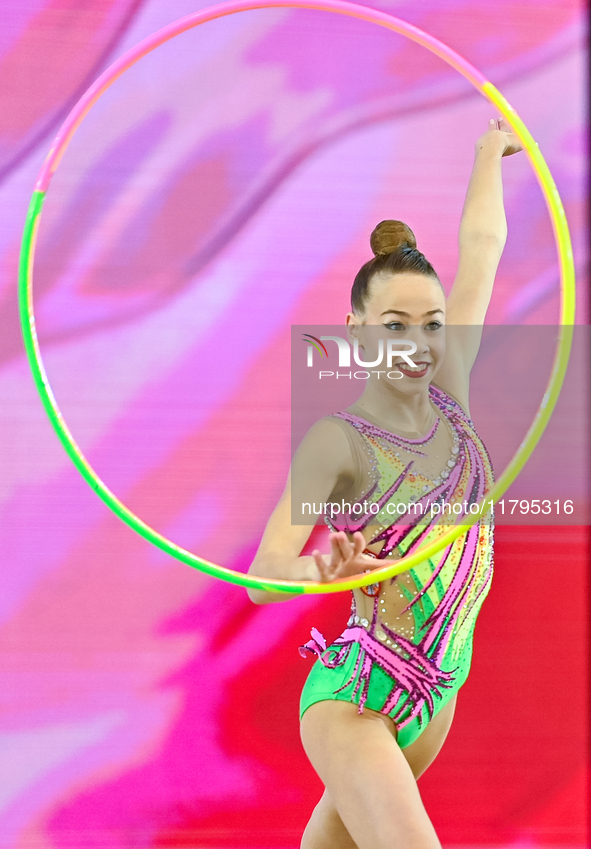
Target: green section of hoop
x=68, y=441
x=292, y=587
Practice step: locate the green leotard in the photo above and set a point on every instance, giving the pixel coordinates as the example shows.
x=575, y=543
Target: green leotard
x=407, y=646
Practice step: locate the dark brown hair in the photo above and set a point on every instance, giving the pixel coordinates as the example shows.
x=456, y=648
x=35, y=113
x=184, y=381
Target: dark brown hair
x=395, y=250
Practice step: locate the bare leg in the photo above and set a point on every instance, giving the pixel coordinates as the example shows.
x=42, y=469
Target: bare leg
x=325, y=829
x=370, y=785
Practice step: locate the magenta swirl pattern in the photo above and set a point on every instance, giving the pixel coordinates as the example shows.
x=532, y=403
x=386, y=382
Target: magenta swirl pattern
x=223, y=191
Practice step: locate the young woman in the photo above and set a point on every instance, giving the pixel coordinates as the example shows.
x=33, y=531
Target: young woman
x=379, y=701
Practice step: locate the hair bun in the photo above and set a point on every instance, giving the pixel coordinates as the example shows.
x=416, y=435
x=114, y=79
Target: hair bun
x=388, y=236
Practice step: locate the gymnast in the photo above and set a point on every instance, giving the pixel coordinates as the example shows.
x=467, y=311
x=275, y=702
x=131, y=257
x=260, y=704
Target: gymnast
x=379, y=700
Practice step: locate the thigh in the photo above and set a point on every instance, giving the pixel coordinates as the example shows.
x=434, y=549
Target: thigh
x=368, y=779
x=326, y=829
x=426, y=747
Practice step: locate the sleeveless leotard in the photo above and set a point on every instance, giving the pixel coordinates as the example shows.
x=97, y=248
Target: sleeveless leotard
x=407, y=646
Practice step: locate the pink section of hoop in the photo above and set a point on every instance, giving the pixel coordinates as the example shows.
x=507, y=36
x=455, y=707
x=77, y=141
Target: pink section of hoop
x=342, y=7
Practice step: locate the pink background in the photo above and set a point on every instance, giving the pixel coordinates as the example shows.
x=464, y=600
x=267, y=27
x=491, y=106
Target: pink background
x=220, y=192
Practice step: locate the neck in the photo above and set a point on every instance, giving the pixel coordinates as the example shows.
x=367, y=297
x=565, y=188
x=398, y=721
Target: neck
x=410, y=414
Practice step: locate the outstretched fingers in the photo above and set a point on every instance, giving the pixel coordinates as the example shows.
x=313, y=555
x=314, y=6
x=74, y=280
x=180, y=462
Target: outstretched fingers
x=342, y=544
x=346, y=557
x=324, y=569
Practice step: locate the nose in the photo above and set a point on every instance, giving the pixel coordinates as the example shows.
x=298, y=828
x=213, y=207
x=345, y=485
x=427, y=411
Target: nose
x=415, y=333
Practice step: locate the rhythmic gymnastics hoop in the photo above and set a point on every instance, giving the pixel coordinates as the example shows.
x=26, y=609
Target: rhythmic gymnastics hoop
x=561, y=235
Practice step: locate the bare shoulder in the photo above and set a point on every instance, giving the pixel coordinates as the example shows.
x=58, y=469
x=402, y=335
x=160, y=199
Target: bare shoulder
x=321, y=462
x=326, y=447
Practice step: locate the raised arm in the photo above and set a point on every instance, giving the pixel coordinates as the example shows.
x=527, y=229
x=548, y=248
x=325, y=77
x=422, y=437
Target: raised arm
x=483, y=228
x=482, y=236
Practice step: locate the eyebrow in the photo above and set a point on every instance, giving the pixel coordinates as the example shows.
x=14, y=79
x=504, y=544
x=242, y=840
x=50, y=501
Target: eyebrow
x=401, y=312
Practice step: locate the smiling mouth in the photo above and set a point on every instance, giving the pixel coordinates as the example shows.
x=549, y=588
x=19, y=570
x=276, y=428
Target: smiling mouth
x=418, y=370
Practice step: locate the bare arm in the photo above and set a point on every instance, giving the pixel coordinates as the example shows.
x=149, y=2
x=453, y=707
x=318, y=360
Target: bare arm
x=482, y=236
x=322, y=462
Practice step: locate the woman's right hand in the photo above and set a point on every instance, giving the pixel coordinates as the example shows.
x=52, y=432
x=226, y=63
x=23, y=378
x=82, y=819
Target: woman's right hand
x=501, y=137
x=346, y=558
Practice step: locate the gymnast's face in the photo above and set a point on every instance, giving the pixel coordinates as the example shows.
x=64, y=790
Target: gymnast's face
x=408, y=306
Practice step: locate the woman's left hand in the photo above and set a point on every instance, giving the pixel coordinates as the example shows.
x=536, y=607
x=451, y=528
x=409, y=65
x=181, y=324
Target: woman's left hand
x=500, y=133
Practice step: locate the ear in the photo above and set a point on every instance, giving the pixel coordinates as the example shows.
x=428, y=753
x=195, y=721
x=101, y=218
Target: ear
x=353, y=325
